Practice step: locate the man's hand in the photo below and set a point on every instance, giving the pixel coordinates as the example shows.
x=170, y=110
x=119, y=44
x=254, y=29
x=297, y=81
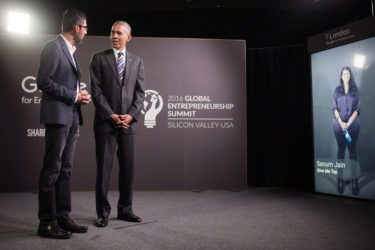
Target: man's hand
x=83, y=97
x=126, y=118
x=119, y=121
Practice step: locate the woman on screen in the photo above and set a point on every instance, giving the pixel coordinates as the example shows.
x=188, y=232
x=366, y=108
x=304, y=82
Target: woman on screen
x=346, y=109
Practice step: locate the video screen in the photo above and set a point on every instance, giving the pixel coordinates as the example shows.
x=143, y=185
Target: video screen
x=343, y=93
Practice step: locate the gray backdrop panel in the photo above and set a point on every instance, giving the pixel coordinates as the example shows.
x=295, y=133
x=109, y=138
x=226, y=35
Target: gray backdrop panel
x=190, y=148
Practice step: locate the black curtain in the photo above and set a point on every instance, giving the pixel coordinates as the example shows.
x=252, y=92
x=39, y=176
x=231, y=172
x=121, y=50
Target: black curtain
x=280, y=144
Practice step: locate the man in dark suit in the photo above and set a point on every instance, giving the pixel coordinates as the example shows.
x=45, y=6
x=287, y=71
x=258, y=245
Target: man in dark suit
x=58, y=79
x=117, y=84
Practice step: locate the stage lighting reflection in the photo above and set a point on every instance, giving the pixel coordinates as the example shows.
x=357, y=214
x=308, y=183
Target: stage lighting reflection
x=18, y=22
x=359, y=61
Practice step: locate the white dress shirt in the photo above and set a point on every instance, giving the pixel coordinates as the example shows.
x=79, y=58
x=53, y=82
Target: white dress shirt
x=72, y=49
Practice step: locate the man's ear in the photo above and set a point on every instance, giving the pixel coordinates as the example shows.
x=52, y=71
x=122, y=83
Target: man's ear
x=130, y=37
x=76, y=28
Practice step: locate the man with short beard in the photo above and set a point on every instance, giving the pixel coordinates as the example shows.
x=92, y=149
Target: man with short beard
x=60, y=111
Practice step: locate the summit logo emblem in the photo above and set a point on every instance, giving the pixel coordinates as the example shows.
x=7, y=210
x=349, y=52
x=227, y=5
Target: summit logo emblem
x=152, y=106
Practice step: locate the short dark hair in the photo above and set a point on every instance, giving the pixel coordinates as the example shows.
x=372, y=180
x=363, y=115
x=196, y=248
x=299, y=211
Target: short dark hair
x=70, y=18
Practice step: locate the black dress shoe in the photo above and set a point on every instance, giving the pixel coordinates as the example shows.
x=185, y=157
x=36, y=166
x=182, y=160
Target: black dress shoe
x=69, y=225
x=129, y=217
x=101, y=222
x=53, y=231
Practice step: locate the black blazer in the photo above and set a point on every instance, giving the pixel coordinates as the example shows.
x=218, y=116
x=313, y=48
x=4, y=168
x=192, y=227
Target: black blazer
x=58, y=78
x=110, y=96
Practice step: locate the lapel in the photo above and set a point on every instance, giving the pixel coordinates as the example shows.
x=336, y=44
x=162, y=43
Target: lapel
x=67, y=54
x=110, y=57
x=129, y=62
x=78, y=68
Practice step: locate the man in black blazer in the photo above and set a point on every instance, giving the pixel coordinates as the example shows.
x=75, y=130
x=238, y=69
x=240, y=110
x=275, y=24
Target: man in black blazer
x=117, y=84
x=60, y=111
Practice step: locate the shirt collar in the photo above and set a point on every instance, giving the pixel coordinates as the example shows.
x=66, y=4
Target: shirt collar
x=71, y=47
x=116, y=51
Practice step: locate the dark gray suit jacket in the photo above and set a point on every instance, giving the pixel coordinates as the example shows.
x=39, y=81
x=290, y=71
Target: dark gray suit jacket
x=110, y=96
x=58, y=78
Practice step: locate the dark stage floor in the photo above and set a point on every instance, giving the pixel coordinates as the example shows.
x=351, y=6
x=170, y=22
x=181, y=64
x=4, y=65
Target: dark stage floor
x=260, y=218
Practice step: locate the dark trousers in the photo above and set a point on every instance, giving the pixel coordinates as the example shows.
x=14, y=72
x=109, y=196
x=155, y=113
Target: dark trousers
x=342, y=144
x=54, y=182
x=105, y=151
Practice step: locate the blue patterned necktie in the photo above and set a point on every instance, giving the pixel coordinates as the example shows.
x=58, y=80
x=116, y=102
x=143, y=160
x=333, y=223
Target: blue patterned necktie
x=120, y=65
